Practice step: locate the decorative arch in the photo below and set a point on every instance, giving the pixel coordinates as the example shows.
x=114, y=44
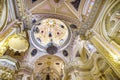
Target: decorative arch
x=49, y=64
x=110, y=24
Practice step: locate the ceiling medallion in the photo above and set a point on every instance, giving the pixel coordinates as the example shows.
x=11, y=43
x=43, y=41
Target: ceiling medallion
x=52, y=49
x=56, y=1
x=50, y=35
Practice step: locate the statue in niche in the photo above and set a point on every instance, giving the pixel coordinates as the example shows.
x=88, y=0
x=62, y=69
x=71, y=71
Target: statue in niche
x=114, y=33
x=115, y=16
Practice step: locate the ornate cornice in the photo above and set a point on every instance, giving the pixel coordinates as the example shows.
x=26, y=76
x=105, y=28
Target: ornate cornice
x=58, y=16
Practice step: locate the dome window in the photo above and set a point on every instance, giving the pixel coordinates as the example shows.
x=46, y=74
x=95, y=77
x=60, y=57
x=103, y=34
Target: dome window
x=34, y=52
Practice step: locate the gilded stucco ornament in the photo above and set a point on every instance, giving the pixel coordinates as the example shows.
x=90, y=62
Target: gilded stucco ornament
x=89, y=34
x=115, y=16
x=88, y=24
x=111, y=25
x=114, y=33
x=49, y=65
x=6, y=74
x=22, y=43
x=8, y=66
x=3, y=13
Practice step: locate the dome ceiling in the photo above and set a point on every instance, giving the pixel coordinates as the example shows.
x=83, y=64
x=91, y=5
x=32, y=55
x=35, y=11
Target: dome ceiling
x=50, y=31
x=53, y=39
x=49, y=65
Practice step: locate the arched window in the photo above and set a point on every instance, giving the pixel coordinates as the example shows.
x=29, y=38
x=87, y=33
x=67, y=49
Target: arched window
x=88, y=7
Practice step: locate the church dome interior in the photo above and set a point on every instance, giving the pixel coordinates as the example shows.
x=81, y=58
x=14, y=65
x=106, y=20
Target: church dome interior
x=59, y=39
